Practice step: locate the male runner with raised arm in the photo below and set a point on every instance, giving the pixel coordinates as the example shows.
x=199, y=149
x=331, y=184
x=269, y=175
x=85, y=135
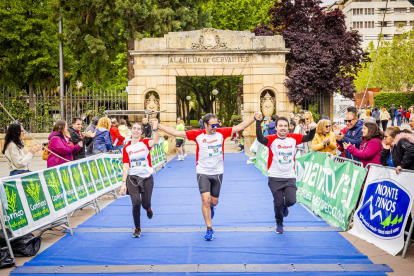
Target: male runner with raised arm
x=210, y=161
x=281, y=164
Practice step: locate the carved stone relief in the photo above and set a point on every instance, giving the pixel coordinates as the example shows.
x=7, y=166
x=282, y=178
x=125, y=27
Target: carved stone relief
x=267, y=103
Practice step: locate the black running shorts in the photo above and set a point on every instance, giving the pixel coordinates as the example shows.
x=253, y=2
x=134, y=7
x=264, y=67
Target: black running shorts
x=210, y=184
x=178, y=142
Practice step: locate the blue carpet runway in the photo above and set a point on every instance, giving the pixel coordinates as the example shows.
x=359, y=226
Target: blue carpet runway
x=172, y=242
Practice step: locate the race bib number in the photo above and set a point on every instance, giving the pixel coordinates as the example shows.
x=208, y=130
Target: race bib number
x=285, y=157
x=138, y=163
x=214, y=150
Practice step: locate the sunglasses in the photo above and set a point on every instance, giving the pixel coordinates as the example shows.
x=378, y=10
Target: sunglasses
x=215, y=125
x=327, y=126
x=348, y=121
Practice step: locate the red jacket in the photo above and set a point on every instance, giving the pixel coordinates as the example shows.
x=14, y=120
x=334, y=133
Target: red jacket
x=115, y=134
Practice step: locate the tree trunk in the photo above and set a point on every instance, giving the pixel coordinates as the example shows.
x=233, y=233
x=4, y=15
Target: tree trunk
x=31, y=105
x=130, y=65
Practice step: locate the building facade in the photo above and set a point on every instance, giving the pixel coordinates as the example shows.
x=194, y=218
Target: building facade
x=366, y=17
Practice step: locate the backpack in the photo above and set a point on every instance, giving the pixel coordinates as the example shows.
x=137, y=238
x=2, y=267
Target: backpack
x=46, y=152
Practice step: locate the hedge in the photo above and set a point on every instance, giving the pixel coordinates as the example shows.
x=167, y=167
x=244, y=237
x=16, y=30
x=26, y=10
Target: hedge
x=388, y=98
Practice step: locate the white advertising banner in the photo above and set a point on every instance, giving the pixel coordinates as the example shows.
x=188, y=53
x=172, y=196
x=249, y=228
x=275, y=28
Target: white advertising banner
x=385, y=207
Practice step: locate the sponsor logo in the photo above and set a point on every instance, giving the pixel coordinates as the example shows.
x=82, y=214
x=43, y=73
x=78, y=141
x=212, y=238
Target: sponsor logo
x=204, y=141
x=135, y=152
x=384, y=209
x=211, y=142
x=284, y=147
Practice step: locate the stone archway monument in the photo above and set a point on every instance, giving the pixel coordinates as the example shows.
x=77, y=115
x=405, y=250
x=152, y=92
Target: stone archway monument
x=210, y=52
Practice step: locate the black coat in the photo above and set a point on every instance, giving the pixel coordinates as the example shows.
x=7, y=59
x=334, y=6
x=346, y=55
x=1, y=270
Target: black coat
x=392, y=111
x=76, y=138
x=402, y=155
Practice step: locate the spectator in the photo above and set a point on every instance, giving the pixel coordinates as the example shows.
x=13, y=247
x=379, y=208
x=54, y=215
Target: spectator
x=376, y=114
x=411, y=122
x=117, y=138
x=368, y=111
x=220, y=124
x=128, y=124
x=308, y=120
x=271, y=128
x=292, y=127
x=60, y=144
x=291, y=116
x=324, y=140
x=370, y=119
x=265, y=125
x=392, y=111
x=353, y=134
x=398, y=149
x=17, y=161
x=103, y=140
x=146, y=128
x=179, y=141
x=200, y=122
x=363, y=114
x=398, y=116
x=407, y=115
x=89, y=141
x=384, y=117
x=76, y=136
x=241, y=143
x=123, y=129
x=371, y=147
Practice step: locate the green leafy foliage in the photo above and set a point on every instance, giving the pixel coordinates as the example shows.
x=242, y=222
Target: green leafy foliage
x=394, y=66
x=387, y=99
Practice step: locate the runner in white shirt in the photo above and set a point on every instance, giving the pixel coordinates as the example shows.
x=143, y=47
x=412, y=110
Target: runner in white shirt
x=137, y=180
x=210, y=161
x=281, y=165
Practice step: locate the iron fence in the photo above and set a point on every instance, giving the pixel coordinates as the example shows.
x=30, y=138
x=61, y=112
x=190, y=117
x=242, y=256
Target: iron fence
x=39, y=111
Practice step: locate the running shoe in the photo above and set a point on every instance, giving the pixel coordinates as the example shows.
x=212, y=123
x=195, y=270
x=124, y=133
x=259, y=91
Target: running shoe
x=209, y=235
x=137, y=233
x=212, y=212
x=279, y=228
x=184, y=155
x=285, y=211
x=150, y=213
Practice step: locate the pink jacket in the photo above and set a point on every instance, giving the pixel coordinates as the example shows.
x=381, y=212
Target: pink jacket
x=368, y=152
x=61, y=146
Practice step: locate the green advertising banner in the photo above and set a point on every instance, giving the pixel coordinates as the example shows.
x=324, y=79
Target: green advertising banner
x=103, y=172
x=111, y=171
x=15, y=215
x=88, y=178
x=67, y=185
x=95, y=174
x=116, y=163
x=77, y=179
x=261, y=159
x=55, y=189
x=35, y=196
x=330, y=189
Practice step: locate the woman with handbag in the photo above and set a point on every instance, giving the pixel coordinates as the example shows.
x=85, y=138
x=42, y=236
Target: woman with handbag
x=13, y=150
x=60, y=146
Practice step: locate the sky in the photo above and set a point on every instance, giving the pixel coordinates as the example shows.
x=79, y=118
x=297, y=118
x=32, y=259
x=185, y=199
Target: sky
x=327, y=2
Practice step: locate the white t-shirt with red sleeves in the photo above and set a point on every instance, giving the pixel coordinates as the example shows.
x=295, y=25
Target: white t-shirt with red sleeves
x=281, y=163
x=210, y=150
x=139, y=158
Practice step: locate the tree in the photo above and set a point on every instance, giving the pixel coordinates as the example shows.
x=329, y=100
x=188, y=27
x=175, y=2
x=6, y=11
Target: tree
x=29, y=49
x=394, y=66
x=324, y=56
x=142, y=18
x=238, y=15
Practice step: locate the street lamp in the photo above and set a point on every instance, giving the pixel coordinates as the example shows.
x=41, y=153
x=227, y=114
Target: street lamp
x=215, y=92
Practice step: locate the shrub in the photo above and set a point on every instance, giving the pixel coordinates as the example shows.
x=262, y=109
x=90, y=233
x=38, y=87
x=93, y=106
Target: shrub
x=388, y=98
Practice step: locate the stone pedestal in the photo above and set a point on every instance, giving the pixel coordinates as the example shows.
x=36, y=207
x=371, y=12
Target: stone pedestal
x=210, y=52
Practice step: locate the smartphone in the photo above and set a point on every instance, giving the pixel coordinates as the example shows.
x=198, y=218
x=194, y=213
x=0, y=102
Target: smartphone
x=302, y=121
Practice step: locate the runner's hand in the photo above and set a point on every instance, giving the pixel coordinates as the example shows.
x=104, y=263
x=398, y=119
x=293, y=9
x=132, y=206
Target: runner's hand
x=312, y=126
x=123, y=189
x=154, y=123
x=258, y=116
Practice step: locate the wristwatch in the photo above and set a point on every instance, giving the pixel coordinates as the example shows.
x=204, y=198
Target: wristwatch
x=154, y=129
